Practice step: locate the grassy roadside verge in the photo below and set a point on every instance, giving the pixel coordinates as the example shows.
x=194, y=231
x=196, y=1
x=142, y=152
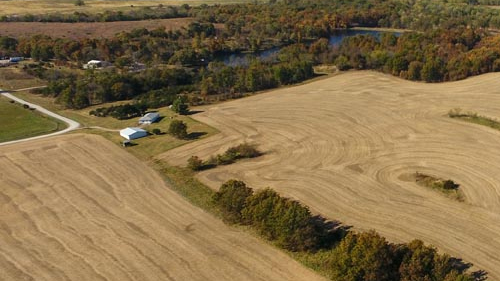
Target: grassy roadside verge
x=19, y=123
x=182, y=180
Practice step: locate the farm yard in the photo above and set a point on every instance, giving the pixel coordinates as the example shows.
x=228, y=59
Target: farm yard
x=78, y=207
x=86, y=29
x=347, y=146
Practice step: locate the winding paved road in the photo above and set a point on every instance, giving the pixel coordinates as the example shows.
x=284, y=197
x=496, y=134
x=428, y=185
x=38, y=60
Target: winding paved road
x=72, y=125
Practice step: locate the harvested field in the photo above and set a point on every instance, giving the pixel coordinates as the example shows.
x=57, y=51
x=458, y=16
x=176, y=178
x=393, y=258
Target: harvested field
x=80, y=208
x=86, y=29
x=11, y=7
x=346, y=145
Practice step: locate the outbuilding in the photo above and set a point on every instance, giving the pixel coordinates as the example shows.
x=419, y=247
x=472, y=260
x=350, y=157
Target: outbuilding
x=149, y=118
x=133, y=133
x=16, y=59
x=96, y=64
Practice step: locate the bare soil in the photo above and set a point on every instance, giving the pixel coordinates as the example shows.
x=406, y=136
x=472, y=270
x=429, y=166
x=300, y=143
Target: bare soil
x=342, y=146
x=78, y=207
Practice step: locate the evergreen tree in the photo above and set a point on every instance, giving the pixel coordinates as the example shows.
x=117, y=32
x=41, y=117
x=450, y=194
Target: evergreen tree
x=178, y=129
x=179, y=105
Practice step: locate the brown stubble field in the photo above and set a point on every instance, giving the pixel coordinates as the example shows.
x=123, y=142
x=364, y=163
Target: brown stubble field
x=86, y=29
x=347, y=145
x=21, y=7
x=78, y=207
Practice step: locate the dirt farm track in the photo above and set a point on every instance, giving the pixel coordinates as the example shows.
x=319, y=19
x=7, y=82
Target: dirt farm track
x=346, y=145
x=78, y=207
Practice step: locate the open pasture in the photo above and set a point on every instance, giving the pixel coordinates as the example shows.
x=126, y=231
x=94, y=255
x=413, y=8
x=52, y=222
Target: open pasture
x=18, y=122
x=78, y=207
x=347, y=145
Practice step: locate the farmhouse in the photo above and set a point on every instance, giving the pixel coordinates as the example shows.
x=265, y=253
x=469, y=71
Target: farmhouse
x=94, y=64
x=133, y=133
x=149, y=118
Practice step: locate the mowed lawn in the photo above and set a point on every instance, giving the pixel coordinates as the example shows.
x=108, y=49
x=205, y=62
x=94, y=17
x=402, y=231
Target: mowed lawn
x=18, y=122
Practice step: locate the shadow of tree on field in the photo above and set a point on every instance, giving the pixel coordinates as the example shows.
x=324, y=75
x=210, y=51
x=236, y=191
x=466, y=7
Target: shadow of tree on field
x=195, y=135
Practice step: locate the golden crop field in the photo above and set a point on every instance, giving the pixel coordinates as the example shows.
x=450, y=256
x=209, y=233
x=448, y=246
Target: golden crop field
x=347, y=146
x=78, y=207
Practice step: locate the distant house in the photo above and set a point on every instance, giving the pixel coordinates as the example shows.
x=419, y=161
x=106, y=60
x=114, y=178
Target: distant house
x=16, y=59
x=132, y=133
x=149, y=118
x=95, y=64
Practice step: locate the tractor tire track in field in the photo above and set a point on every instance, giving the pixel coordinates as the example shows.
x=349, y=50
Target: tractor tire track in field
x=345, y=145
x=78, y=207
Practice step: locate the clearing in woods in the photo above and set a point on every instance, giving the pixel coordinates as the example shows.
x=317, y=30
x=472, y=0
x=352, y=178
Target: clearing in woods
x=78, y=207
x=345, y=146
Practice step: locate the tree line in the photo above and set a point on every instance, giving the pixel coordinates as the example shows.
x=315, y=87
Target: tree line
x=340, y=254
x=451, y=48
x=232, y=154
x=441, y=55
x=156, y=87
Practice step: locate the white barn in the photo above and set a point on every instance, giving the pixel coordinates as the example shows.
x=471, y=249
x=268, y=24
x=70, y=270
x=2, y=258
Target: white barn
x=132, y=133
x=96, y=64
x=149, y=118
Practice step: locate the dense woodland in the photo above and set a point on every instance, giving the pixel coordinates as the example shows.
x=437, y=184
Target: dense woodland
x=449, y=42
x=340, y=254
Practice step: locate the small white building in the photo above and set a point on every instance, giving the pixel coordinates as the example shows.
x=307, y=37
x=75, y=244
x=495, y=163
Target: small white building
x=4, y=63
x=149, y=118
x=96, y=64
x=133, y=133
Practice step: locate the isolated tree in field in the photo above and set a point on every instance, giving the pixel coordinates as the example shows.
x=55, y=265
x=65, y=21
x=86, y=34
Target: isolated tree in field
x=178, y=129
x=156, y=131
x=195, y=163
x=79, y=3
x=231, y=200
x=180, y=106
